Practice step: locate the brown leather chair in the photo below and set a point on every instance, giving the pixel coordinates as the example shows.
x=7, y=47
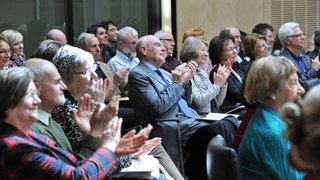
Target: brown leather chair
x=222, y=161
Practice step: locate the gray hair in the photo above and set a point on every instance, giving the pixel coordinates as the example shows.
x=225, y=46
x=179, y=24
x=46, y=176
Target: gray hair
x=142, y=42
x=122, y=33
x=286, y=30
x=14, y=84
x=82, y=40
x=190, y=48
x=41, y=68
x=160, y=34
x=69, y=59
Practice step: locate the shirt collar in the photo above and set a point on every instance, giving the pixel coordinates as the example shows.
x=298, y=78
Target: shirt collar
x=152, y=67
x=295, y=56
x=44, y=117
x=122, y=56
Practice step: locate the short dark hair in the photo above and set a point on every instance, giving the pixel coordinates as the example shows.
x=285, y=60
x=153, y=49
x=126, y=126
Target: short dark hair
x=216, y=46
x=14, y=84
x=317, y=38
x=93, y=28
x=48, y=51
x=262, y=28
x=108, y=23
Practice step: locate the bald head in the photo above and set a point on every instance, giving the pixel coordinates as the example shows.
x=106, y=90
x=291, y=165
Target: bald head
x=57, y=35
x=48, y=82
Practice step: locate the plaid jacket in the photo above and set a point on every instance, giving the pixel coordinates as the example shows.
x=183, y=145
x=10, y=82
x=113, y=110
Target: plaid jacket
x=34, y=156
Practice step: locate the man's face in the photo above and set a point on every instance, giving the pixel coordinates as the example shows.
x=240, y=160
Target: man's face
x=129, y=46
x=236, y=34
x=168, y=43
x=155, y=52
x=51, y=89
x=269, y=38
x=297, y=39
x=112, y=33
x=93, y=47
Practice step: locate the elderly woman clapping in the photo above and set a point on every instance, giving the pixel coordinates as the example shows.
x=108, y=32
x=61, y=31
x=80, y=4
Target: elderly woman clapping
x=203, y=91
x=28, y=155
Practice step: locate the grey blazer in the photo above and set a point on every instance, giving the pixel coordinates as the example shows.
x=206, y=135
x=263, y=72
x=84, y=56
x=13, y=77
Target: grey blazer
x=151, y=98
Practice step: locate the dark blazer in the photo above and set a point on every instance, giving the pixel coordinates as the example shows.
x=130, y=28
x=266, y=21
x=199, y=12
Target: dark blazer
x=233, y=97
x=308, y=79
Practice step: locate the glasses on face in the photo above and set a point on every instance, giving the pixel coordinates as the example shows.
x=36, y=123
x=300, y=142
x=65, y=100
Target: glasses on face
x=130, y=43
x=33, y=94
x=262, y=46
x=169, y=40
x=230, y=49
x=298, y=35
x=88, y=71
x=4, y=52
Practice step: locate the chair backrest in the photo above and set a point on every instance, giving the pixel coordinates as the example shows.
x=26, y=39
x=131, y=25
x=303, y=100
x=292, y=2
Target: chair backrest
x=222, y=161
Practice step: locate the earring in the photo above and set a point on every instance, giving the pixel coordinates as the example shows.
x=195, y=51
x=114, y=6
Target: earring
x=273, y=98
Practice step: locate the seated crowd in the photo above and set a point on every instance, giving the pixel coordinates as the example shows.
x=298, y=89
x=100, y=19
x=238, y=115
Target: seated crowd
x=87, y=112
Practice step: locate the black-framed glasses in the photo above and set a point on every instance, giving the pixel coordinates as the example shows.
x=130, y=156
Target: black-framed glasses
x=88, y=71
x=298, y=35
x=169, y=40
x=230, y=49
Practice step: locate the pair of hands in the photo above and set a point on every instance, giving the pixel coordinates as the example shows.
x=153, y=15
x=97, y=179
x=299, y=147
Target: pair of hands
x=100, y=90
x=222, y=74
x=102, y=124
x=121, y=76
x=137, y=144
x=184, y=72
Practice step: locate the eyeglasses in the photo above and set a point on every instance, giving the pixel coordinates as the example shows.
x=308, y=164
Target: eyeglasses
x=88, y=71
x=131, y=43
x=169, y=40
x=4, y=52
x=262, y=46
x=297, y=35
x=230, y=49
x=33, y=94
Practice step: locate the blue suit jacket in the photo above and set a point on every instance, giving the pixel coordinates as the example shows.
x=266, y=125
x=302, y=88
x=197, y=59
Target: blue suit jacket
x=309, y=79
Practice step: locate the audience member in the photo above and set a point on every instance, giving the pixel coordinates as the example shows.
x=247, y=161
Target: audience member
x=271, y=82
x=292, y=39
x=168, y=42
x=203, y=91
x=207, y=66
x=255, y=47
x=315, y=52
x=48, y=50
x=24, y=151
x=5, y=53
x=16, y=45
x=303, y=133
x=112, y=31
x=126, y=53
x=158, y=97
x=277, y=47
x=222, y=50
x=57, y=35
x=267, y=31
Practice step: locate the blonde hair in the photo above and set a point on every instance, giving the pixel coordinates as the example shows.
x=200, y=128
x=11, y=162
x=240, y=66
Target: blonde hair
x=267, y=76
x=13, y=36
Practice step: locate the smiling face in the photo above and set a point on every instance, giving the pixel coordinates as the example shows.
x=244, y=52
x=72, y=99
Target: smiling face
x=229, y=52
x=102, y=35
x=112, y=33
x=261, y=49
x=27, y=109
x=203, y=54
x=18, y=48
x=4, y=54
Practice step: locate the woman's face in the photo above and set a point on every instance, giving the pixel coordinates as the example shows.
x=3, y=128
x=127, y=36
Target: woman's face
x=82, y=81
x=102, y=36
x=27, y=109
x=291, y=90
x=229, y=52
x=4, y=54
x=18, y=48
x=261, y=49
x=203, y=54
